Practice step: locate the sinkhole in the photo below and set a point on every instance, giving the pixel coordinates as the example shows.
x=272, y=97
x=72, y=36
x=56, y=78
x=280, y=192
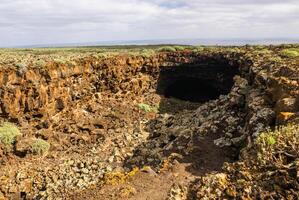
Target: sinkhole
x=196, y=83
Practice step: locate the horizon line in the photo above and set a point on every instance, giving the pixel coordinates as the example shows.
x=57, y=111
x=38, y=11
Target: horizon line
x=237, y=41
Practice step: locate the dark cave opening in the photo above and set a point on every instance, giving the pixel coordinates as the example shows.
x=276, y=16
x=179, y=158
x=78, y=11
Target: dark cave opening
x=193, y=90
x=197, y=83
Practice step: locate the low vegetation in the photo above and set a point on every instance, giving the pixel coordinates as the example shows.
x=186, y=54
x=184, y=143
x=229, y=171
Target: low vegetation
x=40, y=147
x=262, y=51
x=267, y=170
x=114, y=178
x=279, y=146
x=198, y=48
x=148, y=108
x=179, y=48
x=8, y=133
x=39, y=57
x=147, y=52
x=167, y=49
x=290, y=53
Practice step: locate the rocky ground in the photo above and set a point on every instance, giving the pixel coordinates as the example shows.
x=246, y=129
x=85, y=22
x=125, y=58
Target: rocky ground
x=114, y=134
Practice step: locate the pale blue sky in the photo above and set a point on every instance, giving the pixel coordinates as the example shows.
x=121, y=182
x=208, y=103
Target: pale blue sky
x=26, y=22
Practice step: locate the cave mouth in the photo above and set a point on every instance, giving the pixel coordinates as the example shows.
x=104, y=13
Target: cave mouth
x=193, y=90
x=197, y=82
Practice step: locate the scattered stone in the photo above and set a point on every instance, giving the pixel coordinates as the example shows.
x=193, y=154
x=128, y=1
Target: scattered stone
x=288, y=104
x=283, y=117
x=149, y=170
x=222, y=142
x=85, y=171
x=177, y=192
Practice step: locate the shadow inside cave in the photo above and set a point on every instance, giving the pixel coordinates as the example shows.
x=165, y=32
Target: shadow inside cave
x=187, y=86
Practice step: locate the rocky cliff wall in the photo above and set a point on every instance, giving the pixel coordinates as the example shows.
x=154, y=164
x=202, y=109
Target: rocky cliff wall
x=41, y=92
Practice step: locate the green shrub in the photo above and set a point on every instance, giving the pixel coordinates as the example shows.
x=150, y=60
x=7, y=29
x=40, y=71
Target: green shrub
x=275, y=59
x=147, y=108
x=167, y=49
x=271, y=140
x=279, y=140
x=259, y=47
x=147, y=52
x=179, y=48
x=290, y=53
x=40, y=147
x=40, y=63
x=8, y=133
x=212, y=48
x=263, y=51
x=198, y=48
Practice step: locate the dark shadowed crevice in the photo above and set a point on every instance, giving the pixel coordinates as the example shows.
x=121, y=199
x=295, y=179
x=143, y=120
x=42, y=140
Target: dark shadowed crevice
x=185, y=87
x=192, y=89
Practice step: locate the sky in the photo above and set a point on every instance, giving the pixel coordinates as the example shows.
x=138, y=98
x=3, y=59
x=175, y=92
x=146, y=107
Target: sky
x=28, y=22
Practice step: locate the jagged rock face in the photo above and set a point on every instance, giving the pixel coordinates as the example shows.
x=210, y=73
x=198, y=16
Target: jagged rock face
x=42, y=92
x=49, y=90
x=38, y=91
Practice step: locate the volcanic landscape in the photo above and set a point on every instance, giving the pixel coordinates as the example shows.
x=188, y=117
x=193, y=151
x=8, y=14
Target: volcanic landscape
x=152, y=122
